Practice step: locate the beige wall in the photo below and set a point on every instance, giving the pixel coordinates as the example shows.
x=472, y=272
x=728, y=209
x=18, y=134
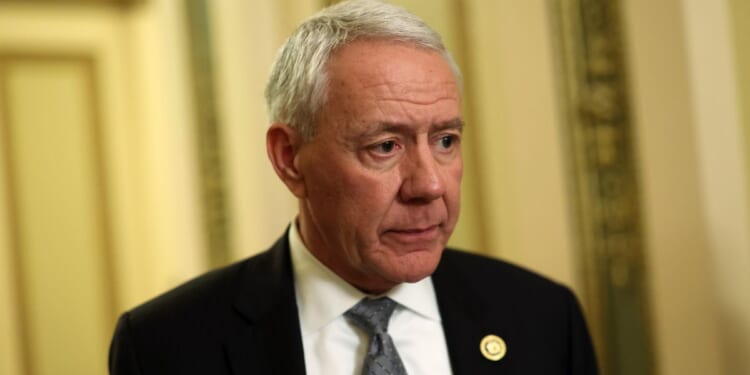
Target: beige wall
x=690, y=95
x=694, y=182
x=60, y=237
x=260, y=206
x=739, y=11
x=152, y=210
x=723, y=169
x=58, y=284
x=682, y=307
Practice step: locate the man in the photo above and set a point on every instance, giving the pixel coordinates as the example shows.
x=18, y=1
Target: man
x=366, y=132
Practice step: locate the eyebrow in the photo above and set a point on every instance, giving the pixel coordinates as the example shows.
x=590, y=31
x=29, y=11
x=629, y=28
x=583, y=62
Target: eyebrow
x=454, y=124
x=389, y=127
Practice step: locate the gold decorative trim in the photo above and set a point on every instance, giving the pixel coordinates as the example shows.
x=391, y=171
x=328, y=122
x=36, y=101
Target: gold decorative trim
x=15, y=237
x=604, y=186
x=100, y=157
x=107, y=245
x=208, y=134
x=120, y=3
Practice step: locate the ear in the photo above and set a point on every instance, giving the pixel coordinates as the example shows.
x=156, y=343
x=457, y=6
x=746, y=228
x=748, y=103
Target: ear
x=283, y=144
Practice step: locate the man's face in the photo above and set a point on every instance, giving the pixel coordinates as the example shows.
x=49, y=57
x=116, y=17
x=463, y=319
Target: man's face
x=382, y=174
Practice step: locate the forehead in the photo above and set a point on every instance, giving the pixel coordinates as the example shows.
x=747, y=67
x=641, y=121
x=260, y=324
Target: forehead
x=373, y=57
x=384, y=74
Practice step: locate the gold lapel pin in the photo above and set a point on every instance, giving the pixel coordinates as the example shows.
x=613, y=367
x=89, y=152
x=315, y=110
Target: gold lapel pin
x=493, y=348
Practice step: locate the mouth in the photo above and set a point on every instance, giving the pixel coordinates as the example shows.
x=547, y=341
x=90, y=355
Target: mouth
x=414, y=235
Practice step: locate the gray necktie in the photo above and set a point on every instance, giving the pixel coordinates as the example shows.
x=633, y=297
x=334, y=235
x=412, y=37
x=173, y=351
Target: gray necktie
x=372, y=315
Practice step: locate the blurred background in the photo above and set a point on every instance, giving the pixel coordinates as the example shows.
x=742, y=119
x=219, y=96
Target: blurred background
x=607, y=146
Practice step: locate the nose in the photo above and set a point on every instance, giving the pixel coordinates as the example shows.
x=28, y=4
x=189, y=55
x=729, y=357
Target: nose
x=422, y=178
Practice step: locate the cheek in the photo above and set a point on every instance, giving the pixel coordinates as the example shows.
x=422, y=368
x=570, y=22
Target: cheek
x=372, y=195
x=454, y=176
x=346, y=192
x=457, y=177
x=366, y=201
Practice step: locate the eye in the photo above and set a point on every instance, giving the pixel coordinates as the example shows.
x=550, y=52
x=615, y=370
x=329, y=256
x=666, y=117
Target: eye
x=386, y=147
x=447, y=141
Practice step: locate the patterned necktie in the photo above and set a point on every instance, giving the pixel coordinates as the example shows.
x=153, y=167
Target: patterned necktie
x=372, y=315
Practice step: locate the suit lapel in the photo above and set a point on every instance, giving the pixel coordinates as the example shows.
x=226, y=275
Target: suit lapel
x=270, y=341
x=466, y=318
x=458, y=315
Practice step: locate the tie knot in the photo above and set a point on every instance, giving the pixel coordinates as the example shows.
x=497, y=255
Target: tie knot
x=372, y=314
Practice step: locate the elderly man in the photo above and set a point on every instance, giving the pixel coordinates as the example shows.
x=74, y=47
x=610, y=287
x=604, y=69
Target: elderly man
x=366, y=132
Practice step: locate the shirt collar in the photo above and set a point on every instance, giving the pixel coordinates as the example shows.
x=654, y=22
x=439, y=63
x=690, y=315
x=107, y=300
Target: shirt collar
x=322, y=296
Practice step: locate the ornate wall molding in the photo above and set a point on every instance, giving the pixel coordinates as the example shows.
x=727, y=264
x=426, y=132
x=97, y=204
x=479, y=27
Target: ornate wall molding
x=604, y=184
x=31, y=280
x=208, y=134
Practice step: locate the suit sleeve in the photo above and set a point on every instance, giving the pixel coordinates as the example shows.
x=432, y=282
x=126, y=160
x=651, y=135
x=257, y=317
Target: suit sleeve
x=582, y=355
x=122, y=357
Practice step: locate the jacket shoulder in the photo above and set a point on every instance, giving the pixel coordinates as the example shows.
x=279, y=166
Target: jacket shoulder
x=485, y=271
x=539, y=317
x=202, y=292
x=493, y=286
x=184, y=329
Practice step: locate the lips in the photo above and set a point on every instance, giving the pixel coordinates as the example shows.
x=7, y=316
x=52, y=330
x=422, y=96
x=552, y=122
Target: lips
x=414, y=235
x=414, y=230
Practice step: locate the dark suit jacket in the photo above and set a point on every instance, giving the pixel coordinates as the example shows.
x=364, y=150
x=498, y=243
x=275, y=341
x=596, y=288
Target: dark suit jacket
x=243, y=319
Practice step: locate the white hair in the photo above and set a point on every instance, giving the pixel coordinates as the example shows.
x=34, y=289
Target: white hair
x=298, y=85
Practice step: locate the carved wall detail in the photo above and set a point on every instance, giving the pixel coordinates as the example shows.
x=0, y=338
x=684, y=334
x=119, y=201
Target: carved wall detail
x=208, y=135
x=604, y=183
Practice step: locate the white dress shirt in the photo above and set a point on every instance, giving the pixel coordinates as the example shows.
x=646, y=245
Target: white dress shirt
x=333, y=346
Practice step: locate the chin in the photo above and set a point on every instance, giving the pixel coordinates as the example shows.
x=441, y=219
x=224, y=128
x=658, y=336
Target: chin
x=415, y=277
x=416, y=266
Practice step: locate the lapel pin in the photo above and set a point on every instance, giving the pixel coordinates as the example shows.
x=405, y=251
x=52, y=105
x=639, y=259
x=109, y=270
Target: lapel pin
x=493, y=348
